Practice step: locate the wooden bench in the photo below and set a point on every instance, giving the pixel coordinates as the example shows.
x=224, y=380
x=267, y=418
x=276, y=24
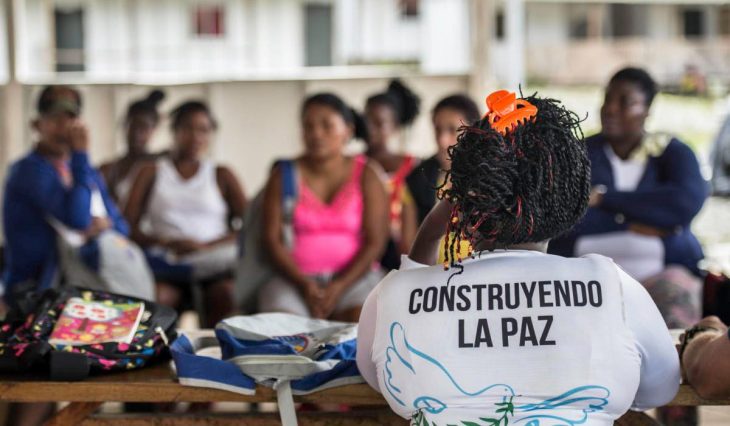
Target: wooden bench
x=158, y=384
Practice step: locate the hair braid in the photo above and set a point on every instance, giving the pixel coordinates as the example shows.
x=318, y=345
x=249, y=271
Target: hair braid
x=529, y=185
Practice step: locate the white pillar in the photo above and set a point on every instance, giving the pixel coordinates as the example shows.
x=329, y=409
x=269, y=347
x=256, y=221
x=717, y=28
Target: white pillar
x=12, y=97
x=514, y=16
x=11, y=127
x=445, y=36
x=481, y=77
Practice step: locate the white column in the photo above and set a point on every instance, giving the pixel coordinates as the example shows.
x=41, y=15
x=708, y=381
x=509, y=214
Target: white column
x=445, y=36
x=11, y=127
x=481, y=76
x=514, y=16
x=12, y=100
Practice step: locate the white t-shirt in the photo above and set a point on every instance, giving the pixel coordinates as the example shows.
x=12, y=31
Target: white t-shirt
x=641, y=256
x=534, y=338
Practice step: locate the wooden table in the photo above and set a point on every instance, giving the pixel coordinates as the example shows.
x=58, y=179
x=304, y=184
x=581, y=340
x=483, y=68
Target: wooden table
x=158, y=384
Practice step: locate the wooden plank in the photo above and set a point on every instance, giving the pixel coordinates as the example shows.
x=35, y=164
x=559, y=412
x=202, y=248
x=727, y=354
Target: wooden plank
x=146, y=392
x=73, y=413
x=158, y=384
x=633, y=418
x=688, y=396
x=354, y=418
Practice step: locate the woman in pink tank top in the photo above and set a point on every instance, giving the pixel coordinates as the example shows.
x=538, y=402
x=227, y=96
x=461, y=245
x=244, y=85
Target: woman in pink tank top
x=340, y=221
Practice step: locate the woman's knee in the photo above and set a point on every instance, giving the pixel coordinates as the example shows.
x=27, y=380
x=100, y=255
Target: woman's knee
x=279, y=295
x=677, y=294
x=348, y=315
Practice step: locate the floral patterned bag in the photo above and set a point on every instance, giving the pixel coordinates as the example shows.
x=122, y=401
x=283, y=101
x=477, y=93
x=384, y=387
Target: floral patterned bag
x=25, y=332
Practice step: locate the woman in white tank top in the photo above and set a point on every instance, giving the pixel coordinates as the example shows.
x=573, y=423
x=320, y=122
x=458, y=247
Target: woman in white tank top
x=189, y=205
x=513, y=335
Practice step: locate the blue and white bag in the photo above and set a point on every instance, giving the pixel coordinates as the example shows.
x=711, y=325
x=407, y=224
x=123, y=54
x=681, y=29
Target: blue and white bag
x=292, y=354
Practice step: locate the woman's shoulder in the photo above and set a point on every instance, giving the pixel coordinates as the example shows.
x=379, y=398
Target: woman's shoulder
x=29, y=163
x=225, y=176
x=222, y=171
x=370, y=167
x=676, y=147
x=594, y=143
x=107, y=167
x=149, y=166
x=146, y=172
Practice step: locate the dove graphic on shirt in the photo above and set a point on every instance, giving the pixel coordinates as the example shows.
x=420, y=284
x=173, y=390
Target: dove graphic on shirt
x=399, y=370
x=574, y=405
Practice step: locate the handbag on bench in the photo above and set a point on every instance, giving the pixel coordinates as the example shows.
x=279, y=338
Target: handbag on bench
x=26, y=333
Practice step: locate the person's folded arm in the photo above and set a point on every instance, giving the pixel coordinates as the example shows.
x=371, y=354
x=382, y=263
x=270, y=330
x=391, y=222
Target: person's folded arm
x=42, y=187
x=598, y=221
x=706, y=360
x=673, y=203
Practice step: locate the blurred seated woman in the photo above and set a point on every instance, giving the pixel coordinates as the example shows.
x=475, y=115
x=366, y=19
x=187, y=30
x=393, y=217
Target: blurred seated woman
x=386, y=115
x=141, y=122
x=189, y=205
x=646, y=189
x=513, y=335
x=340, y=221
x=50, y=192
x=447, y=117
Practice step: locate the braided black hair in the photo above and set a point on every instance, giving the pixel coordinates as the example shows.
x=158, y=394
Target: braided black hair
x=336, y=103
x=529, y=185
x=405, y=104
x=639, y=77
x=181, y=113
x=147, y=106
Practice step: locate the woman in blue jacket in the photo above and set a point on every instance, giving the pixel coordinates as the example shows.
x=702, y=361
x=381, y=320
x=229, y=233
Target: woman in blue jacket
x=53, y=183
x=647, y=188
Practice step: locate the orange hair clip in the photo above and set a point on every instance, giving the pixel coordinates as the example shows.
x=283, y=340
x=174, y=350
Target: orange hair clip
x=507, y=112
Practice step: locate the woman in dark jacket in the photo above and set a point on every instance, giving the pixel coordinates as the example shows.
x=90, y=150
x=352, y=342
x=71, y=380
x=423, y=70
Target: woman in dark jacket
x=647, y=188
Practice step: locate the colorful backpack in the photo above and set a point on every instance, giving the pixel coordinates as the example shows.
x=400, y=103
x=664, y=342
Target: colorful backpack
x=26, y=330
